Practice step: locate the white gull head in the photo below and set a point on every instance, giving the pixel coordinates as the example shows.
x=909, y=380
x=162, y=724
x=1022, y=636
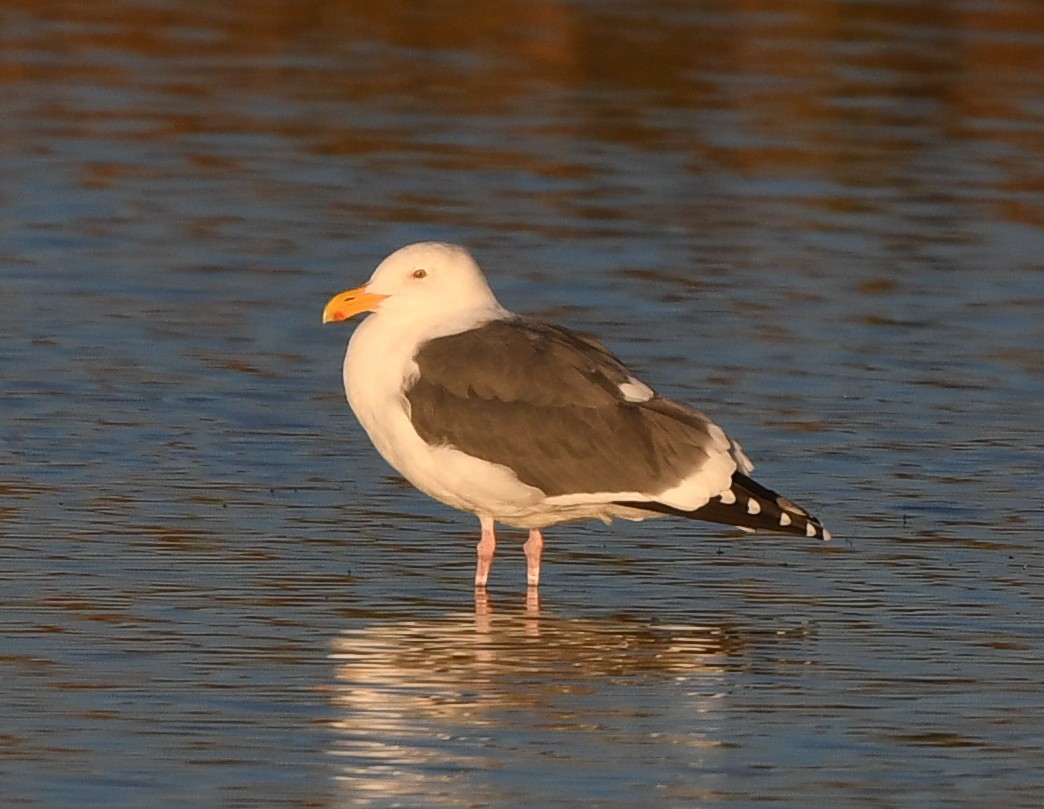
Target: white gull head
x=424, y=286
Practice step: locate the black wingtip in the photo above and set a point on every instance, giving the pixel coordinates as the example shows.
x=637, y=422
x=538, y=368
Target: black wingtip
x=748, y=504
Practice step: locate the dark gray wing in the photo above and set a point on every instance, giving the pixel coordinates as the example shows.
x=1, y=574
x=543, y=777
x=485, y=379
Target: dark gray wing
x=546, y=402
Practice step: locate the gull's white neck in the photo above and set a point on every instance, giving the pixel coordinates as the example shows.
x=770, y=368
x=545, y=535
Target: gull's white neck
x=379, y=364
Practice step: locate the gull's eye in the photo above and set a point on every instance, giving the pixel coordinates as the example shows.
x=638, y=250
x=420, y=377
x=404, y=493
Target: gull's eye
x=418, y=274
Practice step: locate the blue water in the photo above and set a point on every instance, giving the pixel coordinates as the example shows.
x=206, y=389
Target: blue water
x=822, y=225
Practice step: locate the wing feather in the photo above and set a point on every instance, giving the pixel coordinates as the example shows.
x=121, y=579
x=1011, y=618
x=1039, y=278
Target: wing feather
x=547, y=403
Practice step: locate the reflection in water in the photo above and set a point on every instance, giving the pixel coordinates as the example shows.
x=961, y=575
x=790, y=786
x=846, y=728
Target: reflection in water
x=462, y=708
x=820, y=221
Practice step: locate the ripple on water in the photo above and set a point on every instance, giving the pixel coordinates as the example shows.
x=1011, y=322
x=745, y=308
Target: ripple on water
x=819, y=224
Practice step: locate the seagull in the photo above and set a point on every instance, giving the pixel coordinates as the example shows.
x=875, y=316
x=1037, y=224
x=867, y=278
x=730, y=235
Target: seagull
x=527, y=423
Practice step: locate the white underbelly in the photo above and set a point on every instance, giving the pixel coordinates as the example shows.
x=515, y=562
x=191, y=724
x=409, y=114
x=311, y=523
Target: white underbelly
x=446, y=474
x=373, y=383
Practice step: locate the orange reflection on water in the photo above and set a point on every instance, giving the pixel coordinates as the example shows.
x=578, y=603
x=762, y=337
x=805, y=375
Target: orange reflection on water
x=428, y=704
x=860, y=93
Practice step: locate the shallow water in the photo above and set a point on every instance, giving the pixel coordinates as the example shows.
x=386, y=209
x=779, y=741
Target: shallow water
x=821, y=223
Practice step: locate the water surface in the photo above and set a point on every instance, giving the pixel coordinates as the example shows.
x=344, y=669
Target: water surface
x=820, y=223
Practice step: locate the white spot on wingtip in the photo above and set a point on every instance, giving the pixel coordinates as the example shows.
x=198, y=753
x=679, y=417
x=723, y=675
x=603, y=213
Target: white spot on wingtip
x=727, y=497
x=753, y=506
x=784, y=518
x=827, y=536
x=810, y=530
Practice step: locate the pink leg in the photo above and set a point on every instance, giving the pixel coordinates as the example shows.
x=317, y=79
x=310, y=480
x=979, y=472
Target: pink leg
x=534, y=547
x=486, y=546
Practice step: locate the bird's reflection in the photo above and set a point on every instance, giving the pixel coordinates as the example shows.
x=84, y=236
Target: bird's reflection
x=484, y=611
x=443, y=709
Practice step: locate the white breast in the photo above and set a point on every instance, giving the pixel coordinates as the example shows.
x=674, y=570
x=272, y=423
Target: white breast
x=377, y=368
